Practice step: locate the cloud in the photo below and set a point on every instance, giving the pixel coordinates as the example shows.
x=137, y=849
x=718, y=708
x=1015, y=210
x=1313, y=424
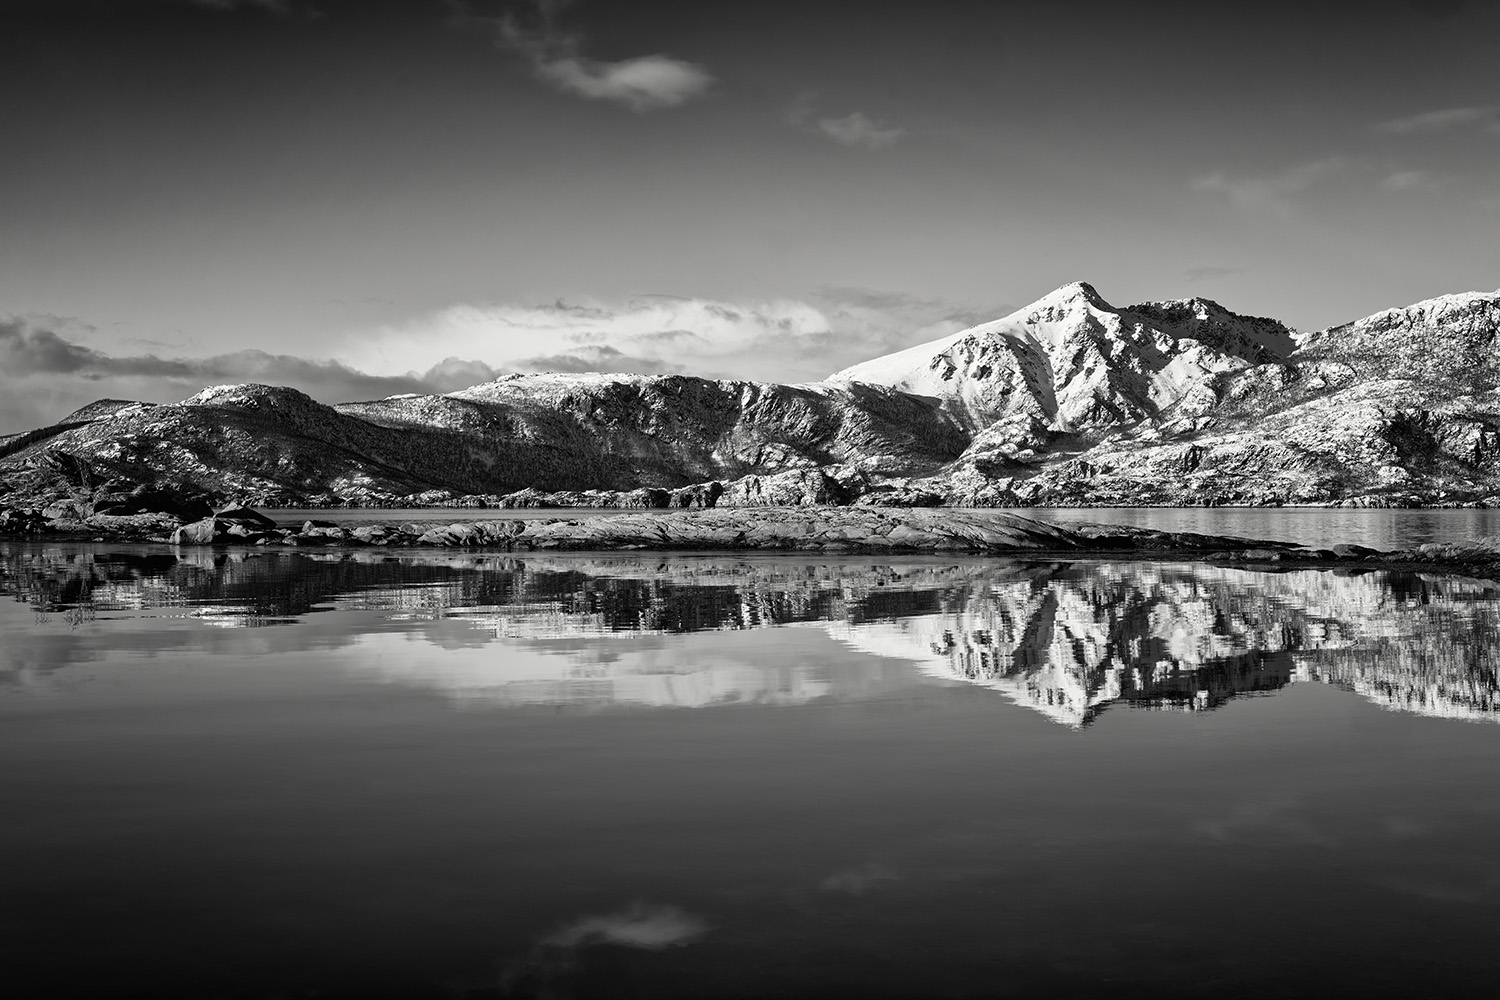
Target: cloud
x=641, y=83
x=1442, y=120
x=1410, y=180
x=1274, y=191
x=858, y=130
x=1208, y=272
x=641, y=925
x=780, y=340
x=858, y=881
x=598, y=358
x=854, y=129
x=44, y=375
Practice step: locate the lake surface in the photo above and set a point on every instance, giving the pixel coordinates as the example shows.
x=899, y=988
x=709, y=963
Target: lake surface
x=1318, y=526
x=257, y=774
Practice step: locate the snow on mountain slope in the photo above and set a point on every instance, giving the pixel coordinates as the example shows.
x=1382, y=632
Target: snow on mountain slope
x=1450, y=336
x=1072, y=362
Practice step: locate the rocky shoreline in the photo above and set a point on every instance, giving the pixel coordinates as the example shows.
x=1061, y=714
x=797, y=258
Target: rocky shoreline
x=859, y=530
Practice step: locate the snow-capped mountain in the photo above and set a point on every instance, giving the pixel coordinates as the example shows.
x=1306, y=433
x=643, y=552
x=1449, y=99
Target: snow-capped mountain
x=1072, y=362
x=1068, y=401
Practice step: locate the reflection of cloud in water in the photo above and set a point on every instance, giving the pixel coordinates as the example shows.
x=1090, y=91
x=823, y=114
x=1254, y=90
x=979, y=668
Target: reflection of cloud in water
x=1261, y=820
x=690, y=671
x=640, y=925
x=554, y=964
x=859, y=880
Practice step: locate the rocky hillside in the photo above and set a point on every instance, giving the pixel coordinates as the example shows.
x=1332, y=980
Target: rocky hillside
x=1069, y=401
x=277, y=446
x=1399, y=408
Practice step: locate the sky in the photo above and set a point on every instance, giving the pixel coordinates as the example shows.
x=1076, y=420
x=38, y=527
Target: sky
x=362, y=198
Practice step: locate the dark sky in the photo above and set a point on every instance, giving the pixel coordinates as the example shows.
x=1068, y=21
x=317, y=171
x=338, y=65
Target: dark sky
x=759, y=189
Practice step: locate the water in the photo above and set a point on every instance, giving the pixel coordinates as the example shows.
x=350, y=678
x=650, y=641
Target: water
x=1317, y=526
x=295, y=773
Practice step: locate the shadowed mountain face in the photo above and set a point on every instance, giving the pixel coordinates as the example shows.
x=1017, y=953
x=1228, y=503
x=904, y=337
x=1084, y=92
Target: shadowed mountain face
x=1069, y=401
x=1069, y=640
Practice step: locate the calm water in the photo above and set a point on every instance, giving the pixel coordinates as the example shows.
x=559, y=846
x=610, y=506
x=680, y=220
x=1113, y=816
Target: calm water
x=296, y=774
x=1320, y=526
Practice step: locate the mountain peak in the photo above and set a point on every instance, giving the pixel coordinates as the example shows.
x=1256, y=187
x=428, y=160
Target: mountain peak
x=1073, y=291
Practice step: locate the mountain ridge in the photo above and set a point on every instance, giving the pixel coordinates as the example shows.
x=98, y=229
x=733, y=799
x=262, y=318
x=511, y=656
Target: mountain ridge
x=1067, y=401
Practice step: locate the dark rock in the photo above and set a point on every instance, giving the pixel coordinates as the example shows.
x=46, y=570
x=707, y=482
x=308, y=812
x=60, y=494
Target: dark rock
x=699, y=496
x=1347, y=551
x=647, y=499
x=245, y=516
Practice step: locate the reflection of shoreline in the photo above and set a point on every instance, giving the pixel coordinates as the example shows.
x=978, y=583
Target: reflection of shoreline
x=1066, y=640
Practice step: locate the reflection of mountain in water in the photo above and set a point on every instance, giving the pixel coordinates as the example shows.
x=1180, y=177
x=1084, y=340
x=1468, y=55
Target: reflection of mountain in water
x=1073, y=640
x=1067, y=640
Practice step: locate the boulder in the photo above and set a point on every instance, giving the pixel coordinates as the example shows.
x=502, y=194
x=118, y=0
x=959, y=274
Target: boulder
x=797, y=488
x=196, y=533
x=1346, y=551
x=699, y=496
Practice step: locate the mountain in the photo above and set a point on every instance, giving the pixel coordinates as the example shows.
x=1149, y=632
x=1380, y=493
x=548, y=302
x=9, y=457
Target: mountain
x=1069, y=401
x=277, y=446
x=1071, y=362
x=1399, y=408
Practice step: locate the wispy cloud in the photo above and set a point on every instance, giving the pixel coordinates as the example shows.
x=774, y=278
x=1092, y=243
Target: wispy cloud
x=1442, y=120
x=598, y=358
x=550, y=967
x=1410, y=181
x=859, y=880
x=641, y=925
x=1273, y=191
x=1208, y=272
x=855, y=129
x=779, y=340
x=640, y=83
